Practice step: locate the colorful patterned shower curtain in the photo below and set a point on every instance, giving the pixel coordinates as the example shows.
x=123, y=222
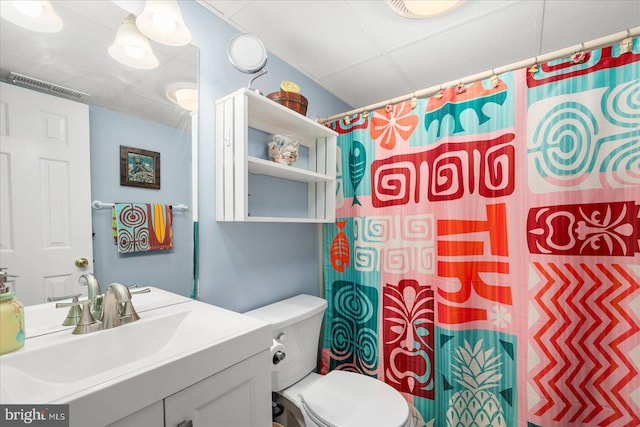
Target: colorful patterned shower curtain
x=485, y=259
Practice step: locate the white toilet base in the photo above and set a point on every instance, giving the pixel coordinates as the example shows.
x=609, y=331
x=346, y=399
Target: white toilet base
x=294, y=415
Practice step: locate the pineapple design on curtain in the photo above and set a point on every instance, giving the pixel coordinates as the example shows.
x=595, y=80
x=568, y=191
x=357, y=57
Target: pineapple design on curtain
x=485, y=260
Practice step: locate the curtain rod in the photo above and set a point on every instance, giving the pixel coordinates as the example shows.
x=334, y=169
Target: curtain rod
x=562, y=53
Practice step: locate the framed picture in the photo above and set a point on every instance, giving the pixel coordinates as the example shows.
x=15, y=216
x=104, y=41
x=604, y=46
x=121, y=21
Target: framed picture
x=139, y=168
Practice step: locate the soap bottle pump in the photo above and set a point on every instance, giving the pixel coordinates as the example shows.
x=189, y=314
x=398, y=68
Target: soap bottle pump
x=11, y=318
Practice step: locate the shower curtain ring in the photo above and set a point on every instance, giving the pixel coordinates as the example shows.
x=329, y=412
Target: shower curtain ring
x=626, y=44
x=579, y=57
x=534, y=68
x=495, y=81
x=440, y=93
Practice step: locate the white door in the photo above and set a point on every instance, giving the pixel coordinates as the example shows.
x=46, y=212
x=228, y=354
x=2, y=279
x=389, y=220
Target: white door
x=45, y=193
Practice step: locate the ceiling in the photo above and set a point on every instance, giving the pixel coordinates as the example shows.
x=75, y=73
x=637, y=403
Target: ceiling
x=360, y=51
x=364, y=53
x=77, y=58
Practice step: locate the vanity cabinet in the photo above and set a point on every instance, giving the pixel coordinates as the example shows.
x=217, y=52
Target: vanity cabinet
x=237, y=396
x=249, y=186
x=150, y=416
x=182, y=360
x=234, y=397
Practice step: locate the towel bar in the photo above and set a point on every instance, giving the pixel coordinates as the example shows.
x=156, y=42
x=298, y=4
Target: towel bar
x=97, y=204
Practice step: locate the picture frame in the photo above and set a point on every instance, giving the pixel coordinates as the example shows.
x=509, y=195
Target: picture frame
x=139, y=168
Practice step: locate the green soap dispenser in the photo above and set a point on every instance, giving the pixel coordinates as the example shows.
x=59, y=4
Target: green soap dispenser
x=11, y=318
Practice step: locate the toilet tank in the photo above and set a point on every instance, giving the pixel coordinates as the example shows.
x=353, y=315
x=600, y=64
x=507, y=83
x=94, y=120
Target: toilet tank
x=295, y=324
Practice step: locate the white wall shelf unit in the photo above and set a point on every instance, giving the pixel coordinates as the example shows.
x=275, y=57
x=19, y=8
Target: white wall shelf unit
x=244, y=109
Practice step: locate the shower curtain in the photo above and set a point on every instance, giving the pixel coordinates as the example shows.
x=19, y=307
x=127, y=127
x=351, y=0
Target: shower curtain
x=485, y=257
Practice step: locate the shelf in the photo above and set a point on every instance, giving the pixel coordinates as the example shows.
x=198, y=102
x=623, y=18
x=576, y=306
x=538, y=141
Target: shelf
x=284, y=219
x=242, y=110
x=267, y=167
x=268, y=116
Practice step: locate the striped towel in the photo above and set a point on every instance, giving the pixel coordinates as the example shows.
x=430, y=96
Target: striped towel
x=141, y=227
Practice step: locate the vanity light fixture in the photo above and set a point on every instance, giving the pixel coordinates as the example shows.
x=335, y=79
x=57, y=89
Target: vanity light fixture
x=161, y=21
x=34, y=15
x=422, y=8
x=131, y=47
x=184, y=94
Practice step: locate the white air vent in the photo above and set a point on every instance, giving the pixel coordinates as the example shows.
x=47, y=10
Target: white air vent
x=41, y=85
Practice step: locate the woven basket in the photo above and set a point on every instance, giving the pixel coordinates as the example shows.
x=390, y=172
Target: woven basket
x=291, y=100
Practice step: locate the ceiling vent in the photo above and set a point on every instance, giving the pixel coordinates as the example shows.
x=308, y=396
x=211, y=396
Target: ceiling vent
x=420, y=9
x=43, y=86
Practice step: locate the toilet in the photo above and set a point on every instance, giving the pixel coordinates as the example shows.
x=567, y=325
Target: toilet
x=338, y=399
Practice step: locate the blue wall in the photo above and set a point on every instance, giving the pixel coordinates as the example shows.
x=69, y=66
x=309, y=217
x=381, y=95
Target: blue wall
x=170, y=269
x=246, y=265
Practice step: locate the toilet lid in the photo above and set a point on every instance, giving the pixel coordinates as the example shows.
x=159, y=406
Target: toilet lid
x=348, y=399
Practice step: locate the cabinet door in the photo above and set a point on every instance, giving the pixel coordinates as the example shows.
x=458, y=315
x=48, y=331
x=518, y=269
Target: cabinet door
x=239, y=396
x=151, y=416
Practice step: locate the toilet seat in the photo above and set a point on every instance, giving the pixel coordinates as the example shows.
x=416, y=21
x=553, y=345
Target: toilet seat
x=344, y=399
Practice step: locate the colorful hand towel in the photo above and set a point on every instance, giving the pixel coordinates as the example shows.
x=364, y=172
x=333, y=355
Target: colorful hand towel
x=142, y=227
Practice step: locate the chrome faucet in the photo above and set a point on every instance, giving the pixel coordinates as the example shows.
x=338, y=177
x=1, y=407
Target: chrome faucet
x=117, y=308
x=94, y=293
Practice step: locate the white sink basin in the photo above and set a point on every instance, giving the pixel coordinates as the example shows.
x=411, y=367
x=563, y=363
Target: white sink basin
x=135, y=364
x=45, y=318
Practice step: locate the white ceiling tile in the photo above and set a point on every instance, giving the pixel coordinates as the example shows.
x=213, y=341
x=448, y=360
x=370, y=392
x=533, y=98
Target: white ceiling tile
x=226, y=8
x=359, y=50
x=367, y=83
x=568, y=23
x=392, y=31
x=318, y=37
x=479, y=46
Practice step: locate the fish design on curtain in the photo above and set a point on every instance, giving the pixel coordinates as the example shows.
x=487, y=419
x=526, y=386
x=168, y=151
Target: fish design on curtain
x=485, y=260
x=357, y=165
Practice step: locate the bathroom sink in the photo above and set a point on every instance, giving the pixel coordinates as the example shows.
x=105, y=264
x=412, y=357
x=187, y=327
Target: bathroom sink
x=136, y=364
x=41, y=319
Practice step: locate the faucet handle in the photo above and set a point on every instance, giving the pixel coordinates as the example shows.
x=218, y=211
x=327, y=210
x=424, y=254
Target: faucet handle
x=86, y=323
x=128, y=313
x=74, y=312
x=73, y=297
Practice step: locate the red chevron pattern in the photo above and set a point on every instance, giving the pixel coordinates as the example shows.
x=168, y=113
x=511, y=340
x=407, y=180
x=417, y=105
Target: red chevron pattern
x=583, y=338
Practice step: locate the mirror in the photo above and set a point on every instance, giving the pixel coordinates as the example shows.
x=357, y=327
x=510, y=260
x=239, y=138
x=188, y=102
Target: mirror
x=248, y=54
x=77, y=58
